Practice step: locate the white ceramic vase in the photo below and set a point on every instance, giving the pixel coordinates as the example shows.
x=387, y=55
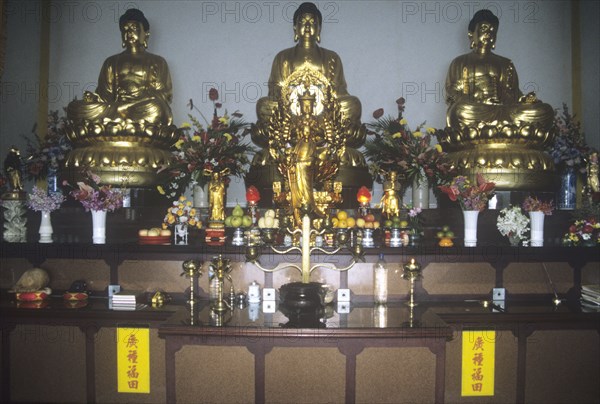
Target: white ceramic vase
x=45, y=227
x=98, y=226
x=200, y=196
x=537, y=228
x=420, y=192
x=470, y=217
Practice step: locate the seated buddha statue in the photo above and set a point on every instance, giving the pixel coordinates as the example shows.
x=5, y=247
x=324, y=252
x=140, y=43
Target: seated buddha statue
x=127, y=121
x=492, y=127
x=134, y=84
x=307, y=54
x=482, y=87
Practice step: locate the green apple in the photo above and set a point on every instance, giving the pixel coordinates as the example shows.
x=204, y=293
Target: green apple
x=236, y=221
x=440, y=234
x=388, y=223
x=449, y=234
x=228, y=221
x=246, y=221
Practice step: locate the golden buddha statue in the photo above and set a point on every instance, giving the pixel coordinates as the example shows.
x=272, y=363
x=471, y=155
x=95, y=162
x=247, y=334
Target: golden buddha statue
x=492, y=127
x=126, y=124
x=308, y=55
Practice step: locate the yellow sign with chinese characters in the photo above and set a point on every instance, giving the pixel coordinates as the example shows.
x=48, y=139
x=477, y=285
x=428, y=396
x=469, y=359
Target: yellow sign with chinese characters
x=478, y=363
x=133, y=360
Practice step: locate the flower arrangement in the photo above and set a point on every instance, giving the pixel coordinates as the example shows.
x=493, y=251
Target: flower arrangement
x=415, y=220
x=181, y=212
x=395, y=147
x=40, y=201
x=470, y=196
x=569, y=148
x=201, y=151
x=94, y=196
x=513, y=223
x=533, y=204
x=44, y=155
x=584, y=231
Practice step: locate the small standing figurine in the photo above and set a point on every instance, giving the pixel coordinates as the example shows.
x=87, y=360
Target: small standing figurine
x=592, y=188
x=390, y=203
x=12, y=168
x=216, y=196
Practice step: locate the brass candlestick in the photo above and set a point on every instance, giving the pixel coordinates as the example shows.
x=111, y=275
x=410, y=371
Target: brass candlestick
x=221, y=268
x=192, y=270
x=412, y=272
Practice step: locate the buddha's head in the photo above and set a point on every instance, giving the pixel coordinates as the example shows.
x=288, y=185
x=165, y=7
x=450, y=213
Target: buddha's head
x=307, y=23
x=483, y=29
x=135, y=29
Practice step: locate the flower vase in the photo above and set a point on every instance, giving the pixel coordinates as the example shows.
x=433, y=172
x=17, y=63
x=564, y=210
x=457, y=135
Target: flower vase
x=45, y=228
x=420, y=192
x=181, y=234
x=514, y=241
x=98, y=226
x=537, y=228
x=52, y=180
x=470, y=217
x=567, y=193
x=200, y=196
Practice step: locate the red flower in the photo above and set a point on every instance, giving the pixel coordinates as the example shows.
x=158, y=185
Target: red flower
x=378, y=113
x=484, y=186
x=213, y=94
x=587, y=228
x=573, y=229
x=452, y=192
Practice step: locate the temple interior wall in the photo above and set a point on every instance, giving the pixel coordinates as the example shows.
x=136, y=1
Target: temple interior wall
x=389, y=49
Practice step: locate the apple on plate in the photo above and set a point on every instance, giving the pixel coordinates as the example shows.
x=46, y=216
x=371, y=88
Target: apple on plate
x=143, y=233
x=153, y=232
x=165, y=232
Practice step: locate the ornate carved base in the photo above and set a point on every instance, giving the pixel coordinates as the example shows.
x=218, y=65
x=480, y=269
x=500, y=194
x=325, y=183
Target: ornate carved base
x=133, y=163
x=120, y=150
x=508, y=155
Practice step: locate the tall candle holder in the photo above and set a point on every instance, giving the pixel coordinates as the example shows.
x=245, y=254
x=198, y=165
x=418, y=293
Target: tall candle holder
x=221, y=268
x=412, y=272
x=192, y=269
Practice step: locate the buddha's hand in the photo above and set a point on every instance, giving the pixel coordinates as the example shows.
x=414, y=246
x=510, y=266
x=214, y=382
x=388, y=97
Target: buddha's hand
x=529, y=98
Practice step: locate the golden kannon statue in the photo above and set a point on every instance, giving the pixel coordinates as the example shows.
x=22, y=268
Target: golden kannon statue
x=308, y=55
x=216, y=196
x=493, y=128
x=126, y=124
x=390, y=200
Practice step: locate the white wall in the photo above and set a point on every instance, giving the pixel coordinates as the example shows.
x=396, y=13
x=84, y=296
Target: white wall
x=389, y=49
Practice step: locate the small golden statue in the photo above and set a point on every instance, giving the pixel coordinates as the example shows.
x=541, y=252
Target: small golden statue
x=12, y=168
x=492, y=127
x=285, y=83
x=390, y=201
x=216, y=197
x=127, y=121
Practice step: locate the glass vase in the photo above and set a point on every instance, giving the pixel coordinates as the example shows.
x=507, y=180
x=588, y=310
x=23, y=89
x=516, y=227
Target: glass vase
x=566, y=198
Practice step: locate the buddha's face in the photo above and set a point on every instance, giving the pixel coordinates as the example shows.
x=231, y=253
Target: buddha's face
x=307, y=27
x=133, y=34
x=484, y=36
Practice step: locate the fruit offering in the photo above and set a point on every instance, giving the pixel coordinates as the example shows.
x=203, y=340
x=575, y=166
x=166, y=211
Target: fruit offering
x=154, y=232
x=238, y=218
x=445, y=235
x=268, y=221
x=395, y=223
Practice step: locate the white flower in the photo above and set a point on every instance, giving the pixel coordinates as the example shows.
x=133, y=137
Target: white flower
x=512, y=222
